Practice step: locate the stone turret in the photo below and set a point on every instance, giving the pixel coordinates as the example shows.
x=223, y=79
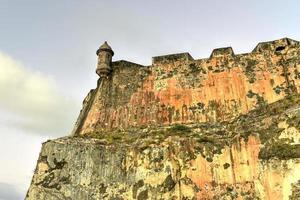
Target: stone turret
x=105, y=54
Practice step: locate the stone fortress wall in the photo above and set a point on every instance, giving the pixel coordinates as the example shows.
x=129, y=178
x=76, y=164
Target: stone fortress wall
x=180, y=89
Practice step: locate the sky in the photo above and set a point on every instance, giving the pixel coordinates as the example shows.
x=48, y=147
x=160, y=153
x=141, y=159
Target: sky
x=48, y=57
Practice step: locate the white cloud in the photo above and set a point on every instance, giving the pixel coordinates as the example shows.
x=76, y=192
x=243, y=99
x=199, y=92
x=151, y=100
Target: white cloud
x=31, y=100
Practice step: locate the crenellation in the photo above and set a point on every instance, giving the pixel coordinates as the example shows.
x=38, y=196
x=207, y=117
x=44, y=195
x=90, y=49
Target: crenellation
x=275, y=46
x=221, y=52
x=171, y=58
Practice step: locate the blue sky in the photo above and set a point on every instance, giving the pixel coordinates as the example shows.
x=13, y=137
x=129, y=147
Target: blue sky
x=47, y=57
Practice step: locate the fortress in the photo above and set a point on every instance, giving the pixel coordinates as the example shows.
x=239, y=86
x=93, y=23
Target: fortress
x=225, y=127
x=177, y=88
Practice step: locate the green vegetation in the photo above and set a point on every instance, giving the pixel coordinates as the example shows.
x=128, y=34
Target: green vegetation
x=253, y=122
x=210, y=138
x=179, y=128
x=278, y=89
x=226, y=165
x=194, y=68
x=259, y=99
x=168, y=184
x=294, y=121
x=270, y=133
x=250, y=70
x=211, y=144
x=134, y=135
x=206, y=139
x=280, y=150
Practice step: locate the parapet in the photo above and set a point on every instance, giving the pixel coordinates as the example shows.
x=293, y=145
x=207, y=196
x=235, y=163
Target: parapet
x=172, y=58
x=125, y=63
x=275, y=45
x=219, y=52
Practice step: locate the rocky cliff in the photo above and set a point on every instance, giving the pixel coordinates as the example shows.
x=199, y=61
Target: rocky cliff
x=225, y=127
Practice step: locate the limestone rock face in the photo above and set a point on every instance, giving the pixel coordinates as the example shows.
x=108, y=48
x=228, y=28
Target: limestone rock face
x=255, y=156
x=225, y=127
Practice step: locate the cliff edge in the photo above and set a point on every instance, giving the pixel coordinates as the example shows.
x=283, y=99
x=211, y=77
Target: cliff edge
x=225, y=127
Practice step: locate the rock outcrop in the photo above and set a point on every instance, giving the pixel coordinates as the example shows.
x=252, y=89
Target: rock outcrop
x=226, y=127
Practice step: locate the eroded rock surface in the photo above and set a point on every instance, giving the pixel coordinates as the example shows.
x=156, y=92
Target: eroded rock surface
x=255, y=156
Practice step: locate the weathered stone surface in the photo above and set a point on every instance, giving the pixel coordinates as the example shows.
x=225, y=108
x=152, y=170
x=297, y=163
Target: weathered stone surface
x=219, y=160
x=178, y=89
x=225, y=127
